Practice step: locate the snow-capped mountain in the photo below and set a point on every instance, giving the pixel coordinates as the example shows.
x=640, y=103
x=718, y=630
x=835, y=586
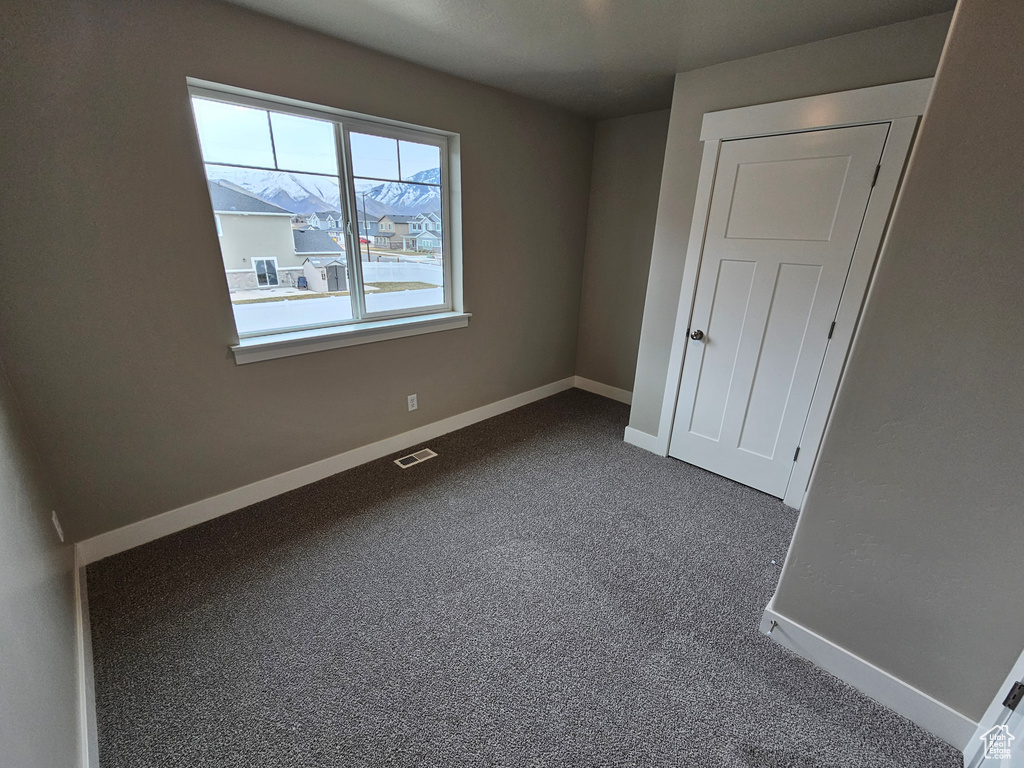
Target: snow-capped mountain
x=294, y=192
x=301, y=193
x=409, y=198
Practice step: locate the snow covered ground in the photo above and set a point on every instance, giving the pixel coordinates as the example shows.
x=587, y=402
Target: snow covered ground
x=253, y=318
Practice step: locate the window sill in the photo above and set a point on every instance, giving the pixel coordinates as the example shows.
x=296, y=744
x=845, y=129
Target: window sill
x=253, y=350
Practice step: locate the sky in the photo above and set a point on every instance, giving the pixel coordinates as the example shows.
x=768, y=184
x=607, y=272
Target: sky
x=229, y=133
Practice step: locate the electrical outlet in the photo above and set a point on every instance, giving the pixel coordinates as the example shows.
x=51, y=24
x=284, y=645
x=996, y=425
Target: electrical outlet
x=413, y=405
x=56, y=524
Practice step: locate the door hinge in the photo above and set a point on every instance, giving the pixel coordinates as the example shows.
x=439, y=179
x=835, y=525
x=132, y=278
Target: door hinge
x=797, y=453
x=875, y=179
x=830, y=330
x=1014, y=697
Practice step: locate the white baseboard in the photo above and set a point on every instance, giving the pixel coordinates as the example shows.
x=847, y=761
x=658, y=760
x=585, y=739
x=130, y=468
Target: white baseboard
x=915, y=705
x=88, y=744
x=644, y=440
x=605, y=390
x=152, y=528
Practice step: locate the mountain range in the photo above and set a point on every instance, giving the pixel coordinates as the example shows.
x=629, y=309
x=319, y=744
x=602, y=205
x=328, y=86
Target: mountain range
x=300, y=193
x=403, y=198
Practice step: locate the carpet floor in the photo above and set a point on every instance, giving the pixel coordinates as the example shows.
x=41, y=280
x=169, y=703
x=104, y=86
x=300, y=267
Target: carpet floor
x=540, y=594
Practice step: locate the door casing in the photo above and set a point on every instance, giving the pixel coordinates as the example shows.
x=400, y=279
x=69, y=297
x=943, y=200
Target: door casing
x=901, y=105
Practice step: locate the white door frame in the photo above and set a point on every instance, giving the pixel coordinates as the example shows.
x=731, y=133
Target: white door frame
x=899, y=104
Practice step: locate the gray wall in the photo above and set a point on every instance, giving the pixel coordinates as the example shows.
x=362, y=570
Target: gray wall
x=38, y=674
x=908, y=550
x=905, y=51
x=121, y=354
x=628, y=156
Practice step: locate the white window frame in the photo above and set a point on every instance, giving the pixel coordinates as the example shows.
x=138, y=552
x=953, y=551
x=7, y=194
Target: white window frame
x=399, y=133
x=365, y=326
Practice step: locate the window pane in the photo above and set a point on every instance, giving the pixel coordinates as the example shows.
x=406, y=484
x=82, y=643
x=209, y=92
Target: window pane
x=285, y=267
x=403, y=267
x=303, y=144
x=229, y=133
x=402, y=284
x=420, y=162
x=374, y=156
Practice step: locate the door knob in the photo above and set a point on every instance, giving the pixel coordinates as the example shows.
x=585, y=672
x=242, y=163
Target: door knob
x=697, y=335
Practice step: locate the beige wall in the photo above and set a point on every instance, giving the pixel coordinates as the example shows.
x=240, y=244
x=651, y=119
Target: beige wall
x=908, y=550
x=38, y=674
x=133, y=396
x=254, y=237
x=905, y=51
x=628, y=157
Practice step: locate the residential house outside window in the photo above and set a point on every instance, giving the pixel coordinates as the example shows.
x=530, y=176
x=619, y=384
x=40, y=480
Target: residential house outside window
x=277, y=166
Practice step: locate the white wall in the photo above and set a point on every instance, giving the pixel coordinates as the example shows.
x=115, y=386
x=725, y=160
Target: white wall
x=908, y=550
x=38, y=672
x=905, y=51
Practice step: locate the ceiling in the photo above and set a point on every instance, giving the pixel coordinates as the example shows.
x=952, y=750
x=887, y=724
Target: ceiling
x=597, y=57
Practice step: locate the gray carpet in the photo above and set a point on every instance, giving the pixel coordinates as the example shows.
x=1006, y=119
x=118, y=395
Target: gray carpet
x=541, y=594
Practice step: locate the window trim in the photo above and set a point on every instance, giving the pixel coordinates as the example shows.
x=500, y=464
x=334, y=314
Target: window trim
x=377, y=325
x=286, y=344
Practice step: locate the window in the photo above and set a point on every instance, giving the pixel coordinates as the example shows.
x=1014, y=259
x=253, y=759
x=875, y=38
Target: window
x=266, y=272
x=268, y=162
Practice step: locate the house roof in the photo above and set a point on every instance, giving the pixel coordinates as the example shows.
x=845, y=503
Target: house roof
x=314, y=241
x=326, y=214
x=397, y=219
x=227, y=199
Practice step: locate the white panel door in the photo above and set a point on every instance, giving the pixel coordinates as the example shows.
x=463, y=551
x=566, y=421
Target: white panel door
x=784, y=219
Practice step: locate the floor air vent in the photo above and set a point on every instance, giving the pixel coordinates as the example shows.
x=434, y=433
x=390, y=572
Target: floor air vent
x=415, y=458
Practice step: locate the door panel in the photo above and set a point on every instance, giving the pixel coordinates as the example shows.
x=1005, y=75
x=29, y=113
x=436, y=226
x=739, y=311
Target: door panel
x=783, y=223
x=728, y=312
x=788, y=318
x=787, y=200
